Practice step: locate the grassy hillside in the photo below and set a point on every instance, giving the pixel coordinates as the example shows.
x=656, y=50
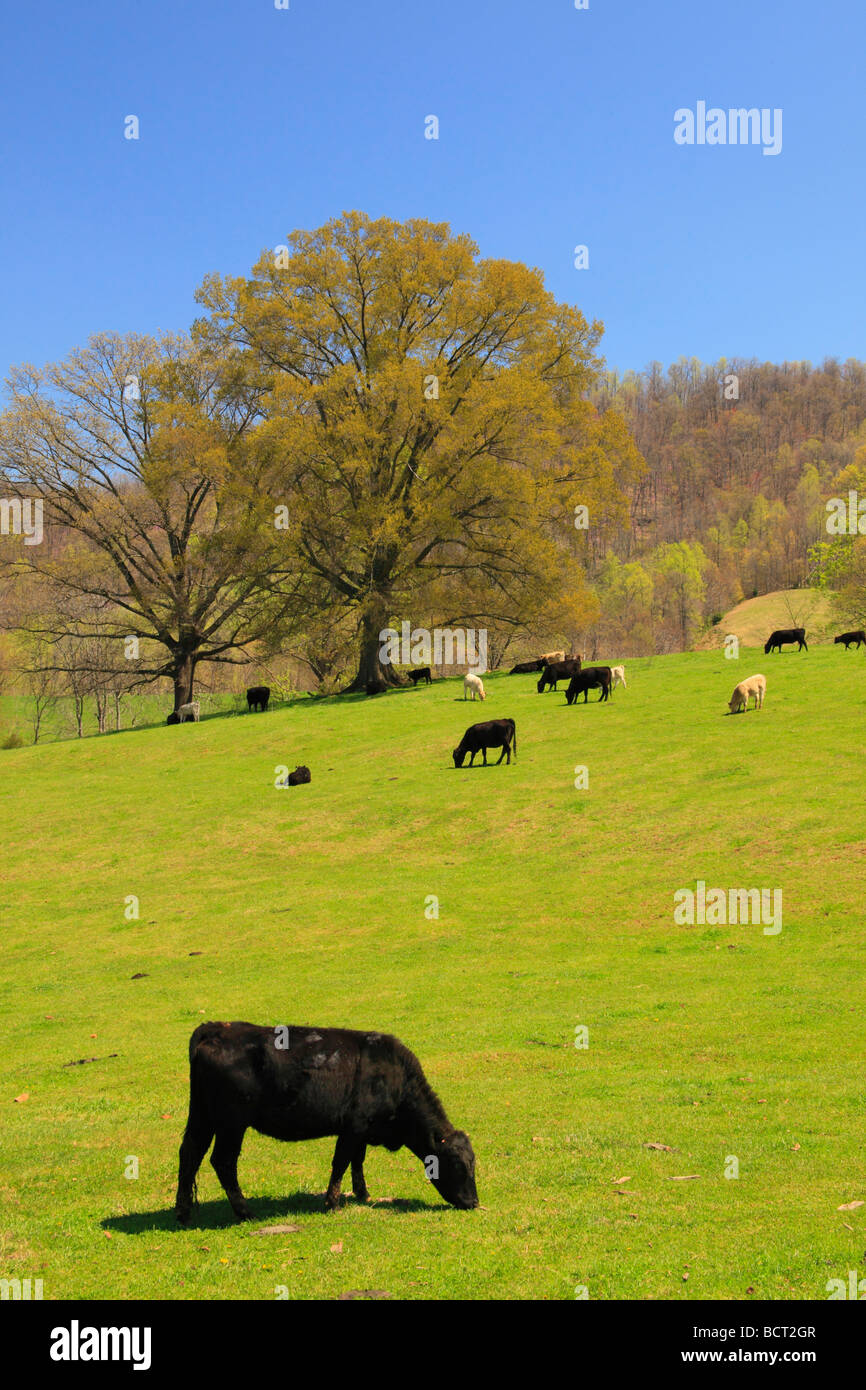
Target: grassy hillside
x=755, y=618
x=556, y=910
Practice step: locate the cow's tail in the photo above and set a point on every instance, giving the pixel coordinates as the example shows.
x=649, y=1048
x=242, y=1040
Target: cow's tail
x=514, y=738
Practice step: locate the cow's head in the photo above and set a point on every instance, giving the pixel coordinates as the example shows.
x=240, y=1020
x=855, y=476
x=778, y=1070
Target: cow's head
x=458, y=755
x=456, y=1180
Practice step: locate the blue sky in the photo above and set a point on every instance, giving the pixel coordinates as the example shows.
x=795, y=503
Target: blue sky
x=556, y=129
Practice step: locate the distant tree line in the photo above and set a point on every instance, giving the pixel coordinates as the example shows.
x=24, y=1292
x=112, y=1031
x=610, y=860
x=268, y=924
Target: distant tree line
x=741, y=458
x=378, y=426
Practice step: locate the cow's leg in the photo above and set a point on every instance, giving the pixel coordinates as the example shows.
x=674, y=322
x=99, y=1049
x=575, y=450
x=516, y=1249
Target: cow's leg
x=502, y=754
x=359, y=1186
x=196, y=1142
x=484, y=754
x=342, y=1158
x=224, y=1161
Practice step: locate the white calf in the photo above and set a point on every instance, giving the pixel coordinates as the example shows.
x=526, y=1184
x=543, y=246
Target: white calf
x=473, y=684
x=617, y=677
x=188, y=714
x=753, y=685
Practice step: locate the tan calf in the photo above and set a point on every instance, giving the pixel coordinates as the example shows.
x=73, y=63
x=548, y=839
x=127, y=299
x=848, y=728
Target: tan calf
x=753, y=686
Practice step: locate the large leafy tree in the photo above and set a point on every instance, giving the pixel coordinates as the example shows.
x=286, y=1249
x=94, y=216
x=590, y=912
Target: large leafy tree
x=158, y=526
x=427, y=421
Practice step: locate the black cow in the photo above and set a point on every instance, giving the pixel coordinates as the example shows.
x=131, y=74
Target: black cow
x=301, y=774
x=173, y=718
x=523, y=668
x=846, y=637
x=590, y=678
x=558, y=671
x=258, y=696
x=297, y=1083
x=421, y=673
x=786, y=634
x=492, y=733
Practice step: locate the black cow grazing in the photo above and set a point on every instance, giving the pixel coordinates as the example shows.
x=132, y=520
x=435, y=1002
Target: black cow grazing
x=786, y=634
x=173, y=718
x=523, y=668
x=848, y=637
x=558, y=671
x=492, y=733
x=297, y=1083
x=258, y=696
x=421, y=673
x=300, y=775
x=590, y=678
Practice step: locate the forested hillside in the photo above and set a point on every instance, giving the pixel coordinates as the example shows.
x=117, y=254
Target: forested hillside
x=741, y=458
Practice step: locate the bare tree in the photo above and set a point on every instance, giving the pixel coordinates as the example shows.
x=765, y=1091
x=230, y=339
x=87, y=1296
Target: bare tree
x=144, y=456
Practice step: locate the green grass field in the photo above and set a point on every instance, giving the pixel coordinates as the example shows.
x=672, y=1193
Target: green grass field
x=556, y=910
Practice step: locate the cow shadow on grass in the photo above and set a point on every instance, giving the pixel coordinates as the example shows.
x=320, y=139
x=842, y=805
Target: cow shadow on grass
x=473, y=767
x=217, y=1215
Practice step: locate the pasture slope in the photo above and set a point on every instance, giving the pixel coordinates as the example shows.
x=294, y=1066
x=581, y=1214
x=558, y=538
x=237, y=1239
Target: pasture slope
x=556, y=910
x=755, y=618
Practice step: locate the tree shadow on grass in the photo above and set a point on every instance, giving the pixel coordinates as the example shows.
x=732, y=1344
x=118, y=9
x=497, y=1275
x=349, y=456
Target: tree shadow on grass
x=218, y=1215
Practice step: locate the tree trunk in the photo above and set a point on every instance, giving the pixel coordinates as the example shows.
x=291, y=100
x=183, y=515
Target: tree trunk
x=372, y=676
x=183, y=676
